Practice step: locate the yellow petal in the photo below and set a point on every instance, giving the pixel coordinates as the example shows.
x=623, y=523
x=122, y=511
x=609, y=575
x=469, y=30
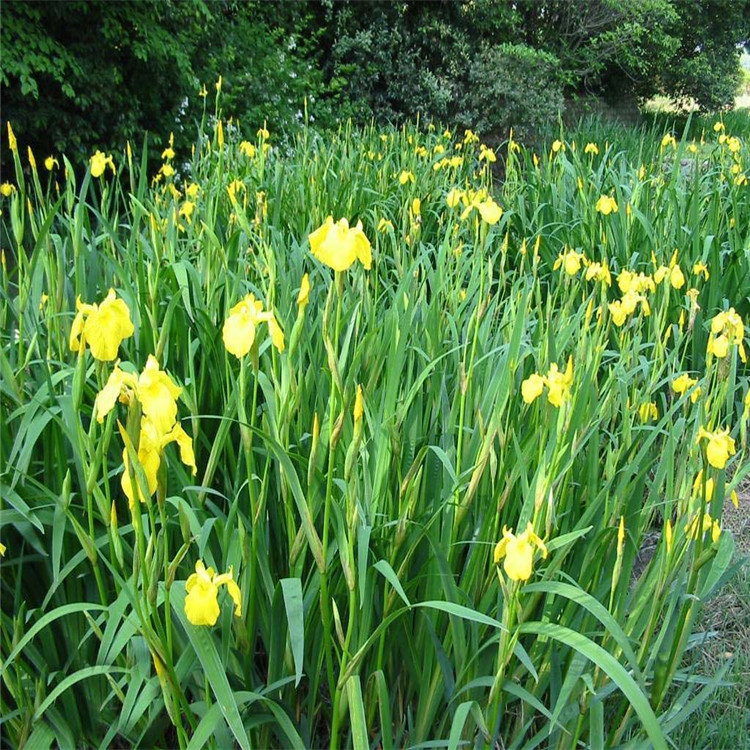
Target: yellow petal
x=239, y=329
x=717, y=454
x=304, y=291
x=490, y=211
x=227, y=579
x=158, y=396
x=107, y=326
x=532, y=388
x=201, y=605
x=149, y=460
x=185, y=444
x=519, y=558
x=76, y=330
x=277, y=335
x=107, y=397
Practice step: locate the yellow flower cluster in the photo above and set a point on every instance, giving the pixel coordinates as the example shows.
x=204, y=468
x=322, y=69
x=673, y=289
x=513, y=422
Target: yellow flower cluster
x=452, y=162
x=727, y=329
x=672, y=272
x=247, y=149
x=475, y=200
x=629, y=281
x=557, y=383
x=599, y=272
x=487, y=154
x=695, y=529
x=517, y=553
x=668, y=140
x=157, y=395
x=622, y=308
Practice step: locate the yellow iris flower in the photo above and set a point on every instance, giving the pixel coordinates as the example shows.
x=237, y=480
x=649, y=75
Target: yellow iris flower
x=240, y=327
x=151, y=446
x=157, y=395
x=720, y=447
x=606, y=205
x=99, y=162
x=694, y=529
x=517, y=553
x=558, y=385
x=202, y=587
x=153, y=388
x=532, y=388
x=103, y=327
x=727, y=329
x=338, y=245
x=571, y=261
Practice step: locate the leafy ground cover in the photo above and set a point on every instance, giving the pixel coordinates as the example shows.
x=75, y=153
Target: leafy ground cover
x=380, y=479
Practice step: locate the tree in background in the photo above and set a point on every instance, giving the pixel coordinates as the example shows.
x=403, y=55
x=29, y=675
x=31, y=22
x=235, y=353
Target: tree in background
x=79, y=75
x=83, y=75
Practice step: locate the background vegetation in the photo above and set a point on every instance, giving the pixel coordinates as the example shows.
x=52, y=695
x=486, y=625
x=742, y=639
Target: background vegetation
x=81, y=75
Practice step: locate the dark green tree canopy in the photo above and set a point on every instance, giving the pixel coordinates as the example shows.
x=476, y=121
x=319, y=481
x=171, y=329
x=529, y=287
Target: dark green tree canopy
x=84, y=74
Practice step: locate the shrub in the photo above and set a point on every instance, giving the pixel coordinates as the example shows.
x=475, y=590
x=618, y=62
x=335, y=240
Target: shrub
x=513, y=86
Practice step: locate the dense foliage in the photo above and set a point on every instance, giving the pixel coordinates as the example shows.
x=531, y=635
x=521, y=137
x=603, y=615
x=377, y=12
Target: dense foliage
x=78, y=75
x=424, y=483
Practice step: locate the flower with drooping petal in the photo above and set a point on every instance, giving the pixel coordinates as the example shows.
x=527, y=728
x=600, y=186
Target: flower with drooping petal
x=241, y=326
x=158, y=395
x=103, y=327
x=606, y=205
x=727, y=329
x=120, y=385
x=154, y=389
x=490, y=211
x=99, y=162
x=518, y=553
x=338, y=245
x=202, y=589
x=151, y=445
x=570, y=261
x=599, y=272
x=720, y=447
x=684, y=383
x=699, y=269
